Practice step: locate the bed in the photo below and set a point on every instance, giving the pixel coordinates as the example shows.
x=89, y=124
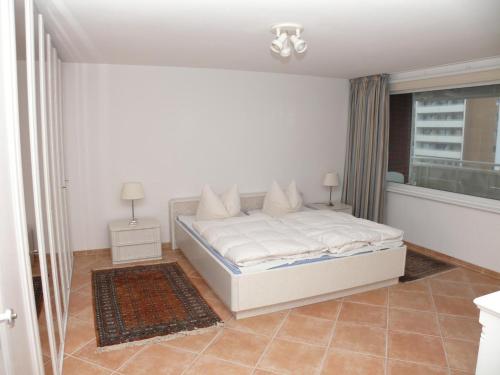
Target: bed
x=300, y=283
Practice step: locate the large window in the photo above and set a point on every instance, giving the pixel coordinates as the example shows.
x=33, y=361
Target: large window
x=447, y=140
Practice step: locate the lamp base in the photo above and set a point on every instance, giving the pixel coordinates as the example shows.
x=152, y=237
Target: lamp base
x=330, y=204
x=133, y=220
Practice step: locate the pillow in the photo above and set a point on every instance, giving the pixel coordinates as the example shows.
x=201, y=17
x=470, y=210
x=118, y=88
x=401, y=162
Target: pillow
x=231, y=200
x=294, y=196
x=212, y=207
x=277, y=203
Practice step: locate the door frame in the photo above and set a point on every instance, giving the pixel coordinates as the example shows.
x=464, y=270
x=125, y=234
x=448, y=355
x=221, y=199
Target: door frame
x=21, y=350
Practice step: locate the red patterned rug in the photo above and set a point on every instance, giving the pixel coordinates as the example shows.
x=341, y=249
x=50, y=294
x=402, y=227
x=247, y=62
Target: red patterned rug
x=154, y=302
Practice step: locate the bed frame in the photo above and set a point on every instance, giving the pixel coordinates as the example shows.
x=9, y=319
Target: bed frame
x=263, y=292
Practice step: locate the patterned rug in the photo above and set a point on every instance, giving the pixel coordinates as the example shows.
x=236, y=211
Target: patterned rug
x=418, y=266
x=37, y=288
x=153, y=303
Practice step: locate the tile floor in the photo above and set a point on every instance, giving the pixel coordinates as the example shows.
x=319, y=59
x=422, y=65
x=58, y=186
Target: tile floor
x=429, y=326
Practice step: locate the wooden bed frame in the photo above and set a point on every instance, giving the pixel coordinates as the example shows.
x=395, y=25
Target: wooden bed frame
x=262, y=292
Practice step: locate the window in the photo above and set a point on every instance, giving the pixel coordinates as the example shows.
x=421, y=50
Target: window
x=447, y=140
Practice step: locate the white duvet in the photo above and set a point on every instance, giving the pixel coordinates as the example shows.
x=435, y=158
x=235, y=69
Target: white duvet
x=341, y=232
x=248, y=240
x=258, y=238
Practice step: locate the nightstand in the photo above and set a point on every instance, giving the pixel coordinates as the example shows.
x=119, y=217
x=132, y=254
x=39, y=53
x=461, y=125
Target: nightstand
x=337, y=206
x=132, y=243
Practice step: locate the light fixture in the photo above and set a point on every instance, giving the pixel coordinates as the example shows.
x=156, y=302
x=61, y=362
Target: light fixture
x=132, y=191
x=286, y=50
x=331, y=180
x=286, y=33
x=278, y=43
x=299, y=44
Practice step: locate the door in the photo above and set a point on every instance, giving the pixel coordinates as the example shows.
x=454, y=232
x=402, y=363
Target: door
x=19, y=341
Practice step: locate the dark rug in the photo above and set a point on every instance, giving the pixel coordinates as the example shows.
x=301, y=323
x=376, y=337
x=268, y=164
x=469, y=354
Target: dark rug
x=37, y=287
x=418, y=266
x=145, y=302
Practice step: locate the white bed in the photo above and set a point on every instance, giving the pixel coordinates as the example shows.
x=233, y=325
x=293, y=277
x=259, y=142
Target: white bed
x=261, y=291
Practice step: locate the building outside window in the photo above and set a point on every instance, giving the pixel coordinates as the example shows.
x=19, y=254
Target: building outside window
x=447, y=140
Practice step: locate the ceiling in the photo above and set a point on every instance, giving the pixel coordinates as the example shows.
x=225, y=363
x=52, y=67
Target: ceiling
x=346, y=38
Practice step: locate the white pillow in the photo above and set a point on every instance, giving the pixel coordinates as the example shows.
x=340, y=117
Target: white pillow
x=294, y=196
x=231, y=200
x=277, y=203
x=212, y=207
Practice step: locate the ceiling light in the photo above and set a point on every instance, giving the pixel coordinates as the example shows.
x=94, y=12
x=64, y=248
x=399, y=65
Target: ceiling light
x=281, y=44
x=278, y=43
x=299, y=44
x=286, y=50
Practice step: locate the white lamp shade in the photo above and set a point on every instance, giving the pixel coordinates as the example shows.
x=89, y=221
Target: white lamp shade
x=331, y=179
x=132, y=190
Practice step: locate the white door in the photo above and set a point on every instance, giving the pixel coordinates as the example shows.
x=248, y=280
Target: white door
x=20, y=352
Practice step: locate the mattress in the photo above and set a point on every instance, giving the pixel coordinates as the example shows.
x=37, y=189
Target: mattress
x=186, y=222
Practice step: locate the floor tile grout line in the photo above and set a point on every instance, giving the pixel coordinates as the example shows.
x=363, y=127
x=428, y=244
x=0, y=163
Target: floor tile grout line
x=90, y=362
x=330, y=339
x=240, y=330
x=420, y=363
x=298, y=341
x=313, y=317
x=470, y=283
x=81, y=346
x=131, y=358
x=440, y=331
x=273, y=337
x=428, y=335
x=200, y=353
x=239, y=364
x=367, y=354
x=430, y=311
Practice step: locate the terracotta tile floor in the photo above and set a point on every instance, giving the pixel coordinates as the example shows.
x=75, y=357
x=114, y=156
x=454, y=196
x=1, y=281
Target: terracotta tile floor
x=429, y=326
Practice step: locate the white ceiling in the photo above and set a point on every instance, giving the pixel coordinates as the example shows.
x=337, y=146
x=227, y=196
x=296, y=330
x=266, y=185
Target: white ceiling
x=346, y=38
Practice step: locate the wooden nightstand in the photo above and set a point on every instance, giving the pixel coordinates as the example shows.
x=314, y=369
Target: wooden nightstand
x=337, y=206
x=132, y=243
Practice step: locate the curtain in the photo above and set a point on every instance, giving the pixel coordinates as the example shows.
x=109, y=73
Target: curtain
x=367, y=147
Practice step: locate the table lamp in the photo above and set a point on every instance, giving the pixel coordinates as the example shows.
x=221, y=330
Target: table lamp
x=331, y=180
x=132, y=191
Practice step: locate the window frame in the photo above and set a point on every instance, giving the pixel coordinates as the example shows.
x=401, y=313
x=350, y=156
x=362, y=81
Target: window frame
x=447, y=197
x=441, y=196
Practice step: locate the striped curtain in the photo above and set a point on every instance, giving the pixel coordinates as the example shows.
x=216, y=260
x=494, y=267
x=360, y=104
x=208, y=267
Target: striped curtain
x=367, y=148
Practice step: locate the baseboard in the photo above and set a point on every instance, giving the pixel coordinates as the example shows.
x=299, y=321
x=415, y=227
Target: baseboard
x=105, y=251
x=78, y=253
x=449, y=259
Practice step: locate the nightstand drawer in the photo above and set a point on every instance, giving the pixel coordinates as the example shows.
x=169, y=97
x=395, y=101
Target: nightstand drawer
x=136, y=252
x=128, y=237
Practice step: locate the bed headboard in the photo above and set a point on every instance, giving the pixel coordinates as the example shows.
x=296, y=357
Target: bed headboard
x=188, y=206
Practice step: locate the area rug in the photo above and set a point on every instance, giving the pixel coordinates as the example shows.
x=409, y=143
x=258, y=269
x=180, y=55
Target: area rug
x=418, y=266
x=37, y=288
x=140, y=304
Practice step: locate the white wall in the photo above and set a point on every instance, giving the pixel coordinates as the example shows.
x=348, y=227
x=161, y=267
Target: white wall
x=175, y=129
x=464, y=233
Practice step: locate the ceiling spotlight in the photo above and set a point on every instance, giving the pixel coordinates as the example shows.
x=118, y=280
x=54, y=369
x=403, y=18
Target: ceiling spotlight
x=281, y=44
x=299, y=44
x=278, y=43
x=286, y=50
